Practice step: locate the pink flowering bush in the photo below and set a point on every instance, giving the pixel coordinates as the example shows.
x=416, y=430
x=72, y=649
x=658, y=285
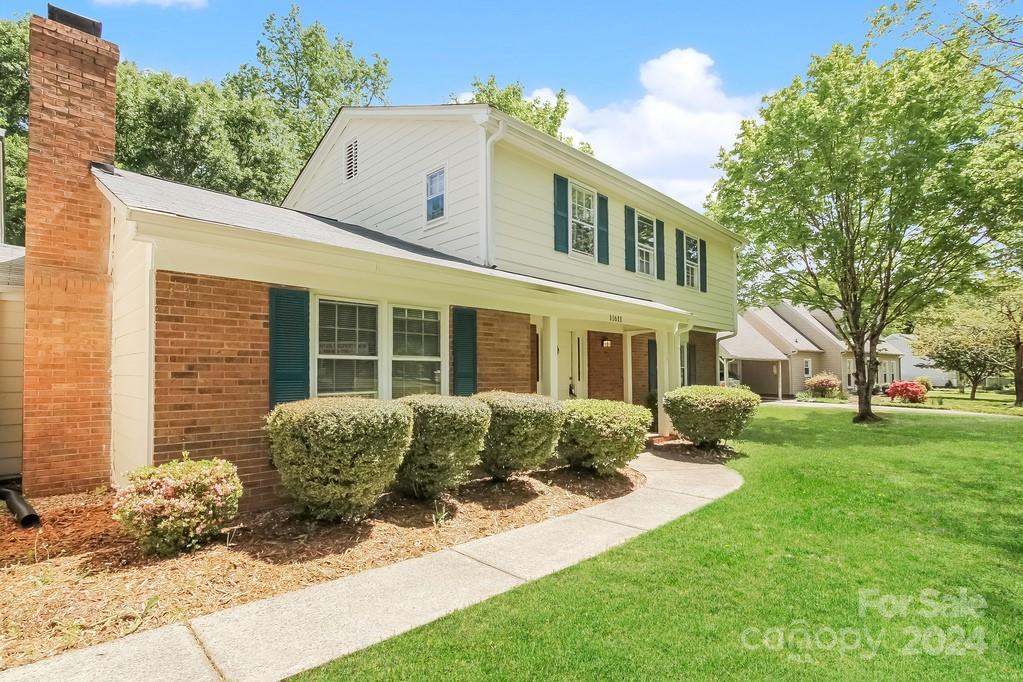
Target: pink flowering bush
x=907, y=391
x=179, y=505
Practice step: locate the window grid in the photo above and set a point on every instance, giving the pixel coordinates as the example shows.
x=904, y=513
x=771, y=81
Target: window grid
x=692, y=261
x=347, y=348
x=416, y=351
x=645, y=244
x=435, y=192
x=582, y=217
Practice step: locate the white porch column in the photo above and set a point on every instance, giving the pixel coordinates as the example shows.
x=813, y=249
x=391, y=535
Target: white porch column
x=549, y=357
x=627, y=365
x=779, y=381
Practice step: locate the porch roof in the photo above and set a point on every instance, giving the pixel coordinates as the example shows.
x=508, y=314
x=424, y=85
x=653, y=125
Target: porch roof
x=749, y=344
x=163, y=197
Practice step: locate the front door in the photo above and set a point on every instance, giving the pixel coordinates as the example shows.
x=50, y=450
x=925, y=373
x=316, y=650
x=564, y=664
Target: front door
x=572, y=364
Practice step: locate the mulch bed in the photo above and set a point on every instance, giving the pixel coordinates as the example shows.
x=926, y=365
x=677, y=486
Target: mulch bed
x=78, y=581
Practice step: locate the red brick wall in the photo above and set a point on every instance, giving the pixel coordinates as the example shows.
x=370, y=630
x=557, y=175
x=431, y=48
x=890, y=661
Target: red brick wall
x=534, y=358
x=212, y=376
x=67, y=289
x=503, y=348
x=604, y=373
x=706, y=357
x=640, y=368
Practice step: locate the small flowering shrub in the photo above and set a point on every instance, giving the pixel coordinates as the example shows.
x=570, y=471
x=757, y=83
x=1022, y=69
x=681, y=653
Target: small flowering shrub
x=179, y=505
x=602, y=435
x=523, y=433
x=447, y=437
x=925, y=382
x=906, y=391
x=823, y=385
x=337, y=455
x=709, y=414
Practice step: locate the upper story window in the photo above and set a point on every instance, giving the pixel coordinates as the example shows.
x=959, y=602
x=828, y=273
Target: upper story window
x=346, y=353
x=351, y=159
x=692, y=261
x=582, y=219
x=435, y=183
x=645, y=244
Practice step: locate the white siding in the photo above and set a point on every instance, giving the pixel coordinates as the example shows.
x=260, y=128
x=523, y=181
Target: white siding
x=12, y=345
x=389, y=192
x=524, y=242
x=131, y=372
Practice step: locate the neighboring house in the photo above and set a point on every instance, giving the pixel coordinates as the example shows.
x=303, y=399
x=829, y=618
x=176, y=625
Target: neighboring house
x=446, y=249
x=12, y=339
x=808, y=343
x=913, y=366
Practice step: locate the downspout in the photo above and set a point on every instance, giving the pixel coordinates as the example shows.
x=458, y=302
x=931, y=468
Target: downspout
x=487, y=222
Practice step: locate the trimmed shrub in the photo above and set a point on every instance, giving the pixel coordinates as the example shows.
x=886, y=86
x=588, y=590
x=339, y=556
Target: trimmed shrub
x=906, y=391
x=523, y=434
x=925, y=382
x=337, y=455
x=709, y=414
x=602, y=435
x=447, y=436
x=179, y=505
x=823, y=385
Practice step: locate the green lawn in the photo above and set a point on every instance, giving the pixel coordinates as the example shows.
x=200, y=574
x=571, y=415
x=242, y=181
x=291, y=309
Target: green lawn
x=828, y=509
x=986, y=402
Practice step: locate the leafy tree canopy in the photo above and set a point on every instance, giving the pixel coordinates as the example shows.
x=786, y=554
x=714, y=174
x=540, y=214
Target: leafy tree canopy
x=543, y=115
x=855, y=193
x=14, y=119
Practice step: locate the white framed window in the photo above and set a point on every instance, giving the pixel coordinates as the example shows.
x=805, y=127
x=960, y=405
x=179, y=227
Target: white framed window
x=646, y=244
x=850, y=373
x=692, y=262
x=582, y=209
x=351, y=159
x=415, y=351
x=684, y=364
x=436, y=182
x=347, y=348
x=807, y=368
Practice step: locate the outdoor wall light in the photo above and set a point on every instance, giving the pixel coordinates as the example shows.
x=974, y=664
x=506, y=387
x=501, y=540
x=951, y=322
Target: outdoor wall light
x=605, y=342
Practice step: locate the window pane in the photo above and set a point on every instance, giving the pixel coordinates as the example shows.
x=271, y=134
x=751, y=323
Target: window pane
x=645, y=261
x=435, y=183
x=582, y=205
x=692, y=250
x=582, y=238
x=435, y=207
x=346, y=376
x=416, y=332
x=645, y=231
x=409, y=377
x=347, y=328
x=690, y=275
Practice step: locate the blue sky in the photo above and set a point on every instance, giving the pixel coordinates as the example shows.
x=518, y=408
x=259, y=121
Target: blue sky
x=656, y=87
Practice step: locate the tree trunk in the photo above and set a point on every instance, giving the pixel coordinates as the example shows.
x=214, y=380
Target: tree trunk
x=1017, y=372
x=973, y=390
x=864, y=386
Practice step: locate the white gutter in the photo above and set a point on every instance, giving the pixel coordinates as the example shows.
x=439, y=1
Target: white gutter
x=487, y=191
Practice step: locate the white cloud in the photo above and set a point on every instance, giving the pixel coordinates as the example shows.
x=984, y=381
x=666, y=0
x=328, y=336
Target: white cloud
x=669, y=137
x=186, y=4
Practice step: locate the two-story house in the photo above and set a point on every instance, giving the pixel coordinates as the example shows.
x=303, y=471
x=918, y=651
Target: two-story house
x=447, y=249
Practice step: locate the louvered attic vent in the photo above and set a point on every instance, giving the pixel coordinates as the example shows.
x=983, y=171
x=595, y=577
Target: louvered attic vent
x=352, y=159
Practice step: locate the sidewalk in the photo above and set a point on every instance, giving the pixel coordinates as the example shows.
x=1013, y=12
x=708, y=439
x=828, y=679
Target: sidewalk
x=890, y=408
x=277, y=637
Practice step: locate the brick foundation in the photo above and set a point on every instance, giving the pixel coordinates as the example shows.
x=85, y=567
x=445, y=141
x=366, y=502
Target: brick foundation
x=67, y=288
x=503, y=349
x=212, y=376
x=605, y=366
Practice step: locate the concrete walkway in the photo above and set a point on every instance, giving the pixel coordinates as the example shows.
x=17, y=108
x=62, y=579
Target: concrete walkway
x=893, y=408
x=280, y=636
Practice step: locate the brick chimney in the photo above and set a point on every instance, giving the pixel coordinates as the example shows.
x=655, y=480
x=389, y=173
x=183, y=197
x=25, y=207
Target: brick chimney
x=67, y=248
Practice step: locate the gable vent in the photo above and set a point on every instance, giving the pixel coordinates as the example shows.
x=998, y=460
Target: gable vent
x=352, y=159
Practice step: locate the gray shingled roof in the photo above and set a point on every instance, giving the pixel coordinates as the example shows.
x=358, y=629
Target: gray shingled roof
x=146, y=193
x=12, y=265
x=749, y=344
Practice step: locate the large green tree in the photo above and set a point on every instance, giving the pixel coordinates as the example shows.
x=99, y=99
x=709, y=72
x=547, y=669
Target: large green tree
x=545, y=116
x=309, y=76
x=14, y=119
x=855, y=193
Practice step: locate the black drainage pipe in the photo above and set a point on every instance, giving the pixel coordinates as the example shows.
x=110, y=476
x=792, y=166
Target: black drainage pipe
x=24, y=514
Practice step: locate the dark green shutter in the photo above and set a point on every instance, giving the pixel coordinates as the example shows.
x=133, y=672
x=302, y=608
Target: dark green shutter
x=602, y=244
x=630, y=239
x=703, y=265
x=289, y=345
x=463, y=347
x=690, y=364
x=651, y=365
x=680, y=258
x=560, y=214
x=659, y=246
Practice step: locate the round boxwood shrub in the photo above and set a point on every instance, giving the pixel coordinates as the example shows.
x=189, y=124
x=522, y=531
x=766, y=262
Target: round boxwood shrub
x=523, y=433
x=709, y=414
x=178, y=505
x=925, y=382
x=602, y=435
x=447, y=436
x=337, y=455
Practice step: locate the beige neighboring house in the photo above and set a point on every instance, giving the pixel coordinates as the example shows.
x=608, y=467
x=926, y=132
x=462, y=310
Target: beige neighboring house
x=808, y=344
